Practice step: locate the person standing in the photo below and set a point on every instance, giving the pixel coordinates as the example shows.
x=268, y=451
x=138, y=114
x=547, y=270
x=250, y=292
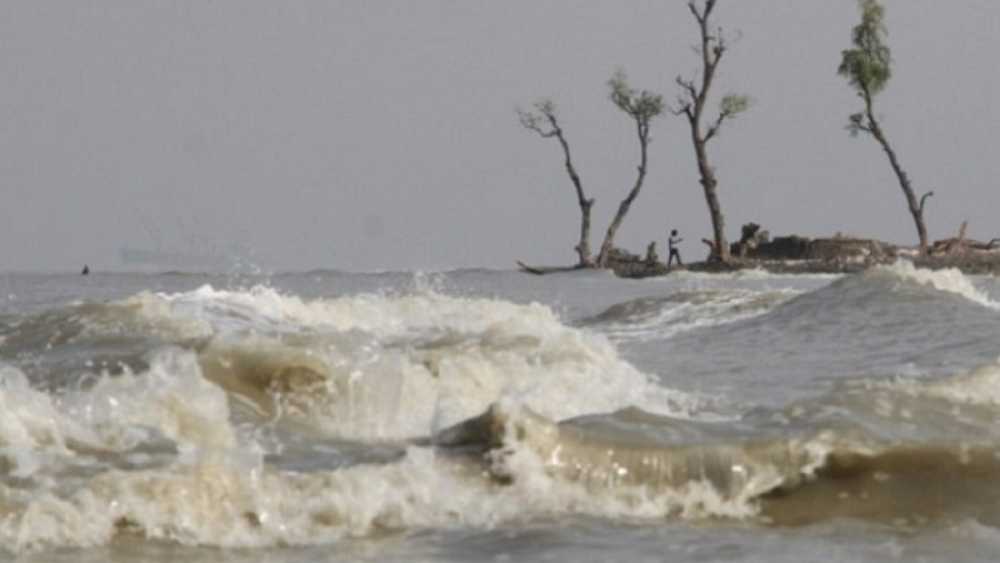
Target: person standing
x=672, y=243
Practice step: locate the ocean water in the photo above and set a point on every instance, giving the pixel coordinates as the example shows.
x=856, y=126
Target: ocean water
x=483, y=415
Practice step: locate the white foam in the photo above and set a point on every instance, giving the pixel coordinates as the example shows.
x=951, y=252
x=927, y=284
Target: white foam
x=531, y=457
x=222, y=494
x=950, y=280
x=263, y=308
x=31, y=428
x=701, y=310
x=26, y=415
x=155, y=314
x=412, y=387
x=144, y=313
x=219, y=504
x=980, y=386
x=544, y=493
x=226, y=504
x=171, y=397
x=402, y=366
x=41, y=433
x=752, y=274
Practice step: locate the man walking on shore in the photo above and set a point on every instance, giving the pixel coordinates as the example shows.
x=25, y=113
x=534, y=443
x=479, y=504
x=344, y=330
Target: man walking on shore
x=672, y=243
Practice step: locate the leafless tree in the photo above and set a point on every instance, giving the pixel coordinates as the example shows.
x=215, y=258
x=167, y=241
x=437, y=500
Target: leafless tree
x=641, y=107
x=692, y=104
x=544, y=121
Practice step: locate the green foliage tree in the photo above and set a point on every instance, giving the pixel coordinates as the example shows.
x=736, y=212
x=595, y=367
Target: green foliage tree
x=642, y=106
x=692, y=104
x=868, y=68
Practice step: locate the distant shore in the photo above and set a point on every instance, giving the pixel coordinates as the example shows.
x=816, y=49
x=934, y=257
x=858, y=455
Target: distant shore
x=978, y=264
x=799, y=255
x=794, y=254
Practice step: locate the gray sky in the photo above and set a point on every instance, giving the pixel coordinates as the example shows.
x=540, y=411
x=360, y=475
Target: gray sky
x=381, y=134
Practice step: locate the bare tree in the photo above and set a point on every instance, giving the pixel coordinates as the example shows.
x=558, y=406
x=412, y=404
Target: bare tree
x=692, y=103
x=867, y=68
x=642, y=107
x=543, y=120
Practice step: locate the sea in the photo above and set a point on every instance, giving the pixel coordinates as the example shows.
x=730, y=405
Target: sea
x=487, y=415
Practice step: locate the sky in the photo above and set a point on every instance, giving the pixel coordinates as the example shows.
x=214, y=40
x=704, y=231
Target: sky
x=382, y=135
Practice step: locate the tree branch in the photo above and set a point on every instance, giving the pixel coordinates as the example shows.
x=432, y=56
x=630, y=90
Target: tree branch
x=692, y=5
x=703, y=15
x=709, y=6
x=923, y=200
x=692, y=103
x=714, y=129
x=532, y=122
x=688, y=87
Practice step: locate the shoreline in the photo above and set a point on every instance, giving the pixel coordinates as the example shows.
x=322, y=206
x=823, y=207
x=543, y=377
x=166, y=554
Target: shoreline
x=968, y=265
x=974, y=264
x=795, y=254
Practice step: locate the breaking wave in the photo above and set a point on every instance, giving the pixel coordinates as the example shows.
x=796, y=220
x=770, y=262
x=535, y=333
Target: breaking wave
x=773, y=478
x=656, y=318
x=948, y=280
x=368, y=366
x=384, y=367
x=471, y=412
x=162, y=455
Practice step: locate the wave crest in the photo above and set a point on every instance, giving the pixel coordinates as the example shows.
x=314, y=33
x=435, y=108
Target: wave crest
x=949, y=280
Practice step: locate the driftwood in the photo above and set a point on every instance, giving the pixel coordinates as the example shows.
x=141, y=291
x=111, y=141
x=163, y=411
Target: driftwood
x=752, y=237
x=542, y=270
x=623, y=263
x=984, y=246
x=711, y=247
x=960, y=244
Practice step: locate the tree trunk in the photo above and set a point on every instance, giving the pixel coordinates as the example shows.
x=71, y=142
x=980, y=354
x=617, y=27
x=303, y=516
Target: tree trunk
x=626, y=204
x=709, y=183
x=711, y=50
x=916, y=208
x=583, y=247
x=609, y=238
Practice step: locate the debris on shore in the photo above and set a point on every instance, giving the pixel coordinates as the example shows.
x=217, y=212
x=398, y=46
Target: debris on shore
x=794, y=254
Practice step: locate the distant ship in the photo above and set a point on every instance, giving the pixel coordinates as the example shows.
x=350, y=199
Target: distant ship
x=163, y=260
x=187, y=251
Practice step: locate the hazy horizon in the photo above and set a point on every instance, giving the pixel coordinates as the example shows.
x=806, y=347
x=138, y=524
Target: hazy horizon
x=382, y=136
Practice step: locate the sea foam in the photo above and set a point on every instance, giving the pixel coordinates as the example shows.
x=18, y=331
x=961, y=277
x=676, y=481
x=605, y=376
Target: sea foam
x=389, y=367
x=950, y=280
x=659, y=318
